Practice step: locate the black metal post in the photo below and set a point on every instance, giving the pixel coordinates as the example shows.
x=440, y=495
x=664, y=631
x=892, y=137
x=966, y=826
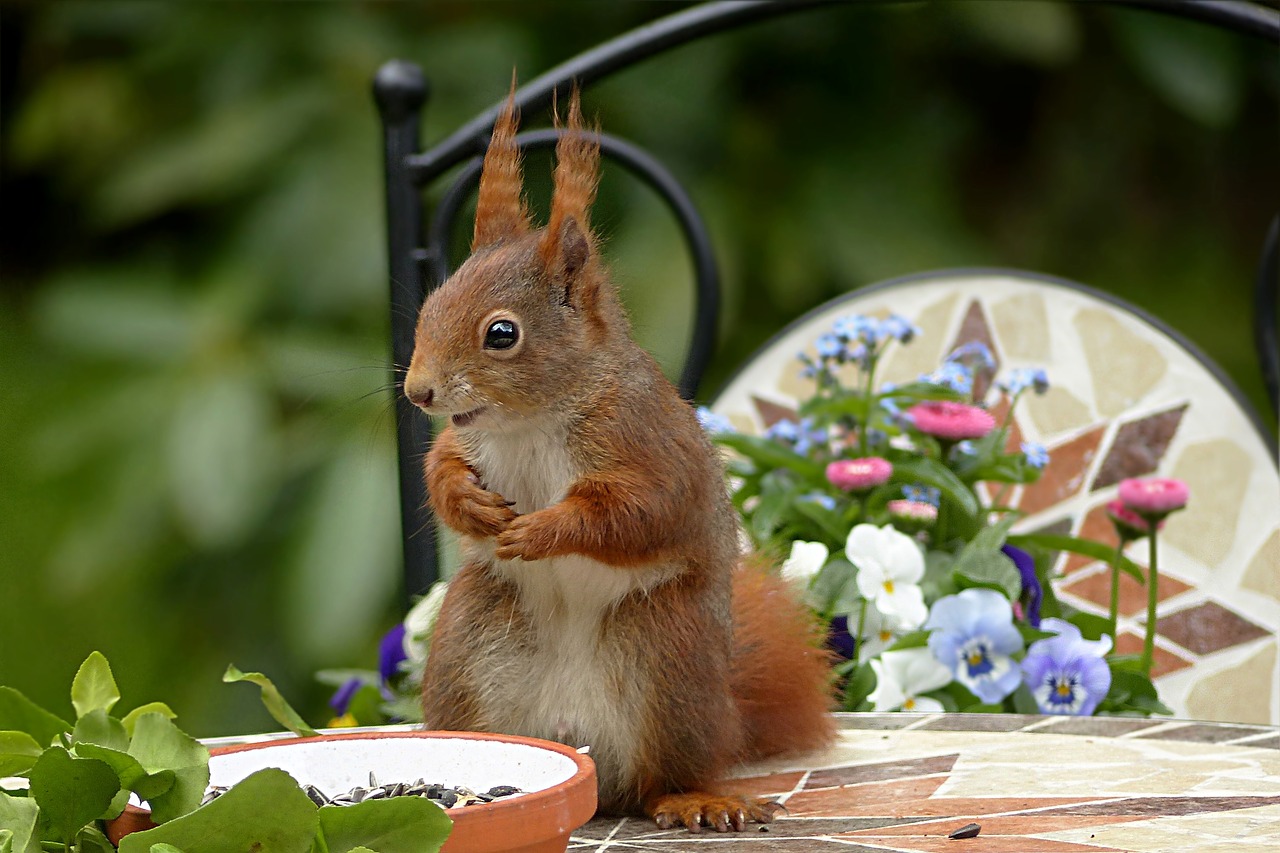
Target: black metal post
x=400, y=91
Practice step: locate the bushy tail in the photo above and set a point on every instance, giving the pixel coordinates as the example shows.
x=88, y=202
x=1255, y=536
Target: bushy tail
x=781, y=674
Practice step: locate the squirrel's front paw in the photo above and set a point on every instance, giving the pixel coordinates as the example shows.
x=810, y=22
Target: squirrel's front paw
x=721, y=813
x=527, y=537
x=475, y=511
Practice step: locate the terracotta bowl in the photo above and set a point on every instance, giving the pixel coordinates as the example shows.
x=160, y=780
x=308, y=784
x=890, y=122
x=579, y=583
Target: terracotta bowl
x=560, y=784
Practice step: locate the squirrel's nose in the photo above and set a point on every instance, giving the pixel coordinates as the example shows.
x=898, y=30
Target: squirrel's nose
x=420, y=397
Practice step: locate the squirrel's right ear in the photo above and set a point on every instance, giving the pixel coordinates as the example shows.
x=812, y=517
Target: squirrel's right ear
x=501, y=212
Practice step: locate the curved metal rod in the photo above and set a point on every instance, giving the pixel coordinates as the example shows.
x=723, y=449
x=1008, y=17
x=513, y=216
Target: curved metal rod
x=1266, y=291
x=642, y=164
x=674, y=30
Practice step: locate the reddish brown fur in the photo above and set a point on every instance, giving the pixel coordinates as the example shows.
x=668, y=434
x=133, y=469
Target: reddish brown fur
x=581, y=448
x=501, y=212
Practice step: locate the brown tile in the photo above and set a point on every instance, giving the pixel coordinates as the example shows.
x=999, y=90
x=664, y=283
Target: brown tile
x=1163, y=661
x=1164, y=806
x=996, y=844
x=1065, y=474
x=980, y=722
x=1272, y=742
x=1019, y=826
x=868, y=798
x=1012, y=444
x=1138, y=448
x=974, y=327
x=876, y=772
x=1203, y=733
x=875, y=722
x=1097, y=726
x=763, y=786
x=934, y=806
x=771, y=413
x=1096, y=587
x=1208, y=627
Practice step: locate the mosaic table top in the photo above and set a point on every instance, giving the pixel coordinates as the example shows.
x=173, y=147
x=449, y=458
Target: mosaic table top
x=904, y=782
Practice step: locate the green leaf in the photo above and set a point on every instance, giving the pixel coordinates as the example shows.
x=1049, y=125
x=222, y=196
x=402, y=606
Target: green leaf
x=71, y=791
x=266, y=811
x=400, y=825
x=860, y=685
x=131, y=718
x=6, y=841
x=98, y=727
x=912, y=640
x=160, y=745
x=18, y=713
x=94, y=688
x=829, y=521
x=1024, y=702
x=1030, y=635
x=133, y=776
x=161, y=847
x=770, y=454
x=1076, y=545
x=277, y=705
x=18, y=752
x=988, y=569
x=922, y=391
x=20, y=818
x=92, y=840
x=933, y=473
x=366, y=706
x=1091, y=627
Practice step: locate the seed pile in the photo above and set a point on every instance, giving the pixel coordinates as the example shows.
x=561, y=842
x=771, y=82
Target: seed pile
x=442, y=795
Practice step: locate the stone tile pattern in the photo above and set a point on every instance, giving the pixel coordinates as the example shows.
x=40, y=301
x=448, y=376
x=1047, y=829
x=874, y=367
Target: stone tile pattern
x=903, y=782
x=1140, y=406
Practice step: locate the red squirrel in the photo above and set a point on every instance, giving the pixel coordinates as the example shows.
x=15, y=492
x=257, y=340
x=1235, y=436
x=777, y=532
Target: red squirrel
x=604, y=600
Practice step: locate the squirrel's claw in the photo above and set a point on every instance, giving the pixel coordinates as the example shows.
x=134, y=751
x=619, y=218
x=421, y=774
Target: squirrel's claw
x=523, y=539
x=721, y=813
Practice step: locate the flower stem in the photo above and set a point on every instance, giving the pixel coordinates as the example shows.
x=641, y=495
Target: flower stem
x=1115, y=587
x=1153, y=589
x=862, y=621
x=863, y=445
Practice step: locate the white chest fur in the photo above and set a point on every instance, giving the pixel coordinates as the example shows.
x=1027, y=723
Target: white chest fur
x=560, y=685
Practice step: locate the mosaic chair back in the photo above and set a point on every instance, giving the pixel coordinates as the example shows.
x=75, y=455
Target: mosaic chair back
x=1130, y=396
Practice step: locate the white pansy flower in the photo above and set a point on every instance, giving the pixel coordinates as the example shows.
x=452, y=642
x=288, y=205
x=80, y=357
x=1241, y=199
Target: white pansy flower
x=890, y=567
x=806, y=560
x=421, y=621
x=878, y=633
x=902, y=676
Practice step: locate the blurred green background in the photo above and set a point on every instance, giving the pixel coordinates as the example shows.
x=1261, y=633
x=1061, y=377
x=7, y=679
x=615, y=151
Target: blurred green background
x=196, y=459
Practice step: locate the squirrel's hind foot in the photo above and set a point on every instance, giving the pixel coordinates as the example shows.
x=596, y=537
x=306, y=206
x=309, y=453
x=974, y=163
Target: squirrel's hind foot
x=719, y=812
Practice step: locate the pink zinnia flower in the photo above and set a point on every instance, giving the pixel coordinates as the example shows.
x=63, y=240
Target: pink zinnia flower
x=1129, y=523
x=913, y=510
x=855, y=475
x=1154, y=496
x=951, y=421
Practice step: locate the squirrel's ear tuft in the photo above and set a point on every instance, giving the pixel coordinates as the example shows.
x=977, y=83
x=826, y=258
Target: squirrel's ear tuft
x=576, y=175
x=500, y=207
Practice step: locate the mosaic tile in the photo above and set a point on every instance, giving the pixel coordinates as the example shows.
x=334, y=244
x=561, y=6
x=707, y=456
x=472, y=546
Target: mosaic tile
x=902, y=364
x=875, y=772
x=977, y=722
x=1138, y=447
x=1159, y=806
x=1246, y=692
x=771, y=413
x=1219, y=468
x=1203, y=733
x=876, y=722
x=1124, y=366
x=1097, y=526
x=1163, y=661
x=1208, y=627
x=1022, y=325
x=1058, y=411
x=1068, y=466
x=1263, y=574
x=987, y=844
x=974, y=328
x=1096, y=587
x=1111, y=726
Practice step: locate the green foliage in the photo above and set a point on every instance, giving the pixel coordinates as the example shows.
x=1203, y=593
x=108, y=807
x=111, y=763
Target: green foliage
x=280, y=709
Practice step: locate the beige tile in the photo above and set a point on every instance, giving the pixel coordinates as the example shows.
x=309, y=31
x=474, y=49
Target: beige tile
x=1057, y=412
x=1022, y=326
x=1244, y=693
x=1263, y=574
x=1124, y=367
x=1217, y=472
x=904, y=363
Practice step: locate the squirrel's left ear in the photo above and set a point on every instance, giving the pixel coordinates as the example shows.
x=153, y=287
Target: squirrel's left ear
x=567, y=243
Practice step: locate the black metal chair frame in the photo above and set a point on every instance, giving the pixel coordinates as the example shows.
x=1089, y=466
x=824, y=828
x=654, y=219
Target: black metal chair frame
x=419, y=262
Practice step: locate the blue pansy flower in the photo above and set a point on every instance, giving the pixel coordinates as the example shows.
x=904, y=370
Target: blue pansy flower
x=1032, y=593
x=1036, y=454
x=922, y=494
x=713, y=423
x=973, y=634
x=1067, y=674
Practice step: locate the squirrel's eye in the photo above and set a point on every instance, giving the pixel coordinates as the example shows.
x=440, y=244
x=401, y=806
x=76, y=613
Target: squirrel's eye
x=501, y=334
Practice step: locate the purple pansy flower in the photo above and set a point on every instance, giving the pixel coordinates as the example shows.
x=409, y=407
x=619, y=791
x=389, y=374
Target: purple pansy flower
x=342, y=696
x=839, y=640
x=1067, y=674
x=391, y=652
x=973, y=634
x=1032, y=593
